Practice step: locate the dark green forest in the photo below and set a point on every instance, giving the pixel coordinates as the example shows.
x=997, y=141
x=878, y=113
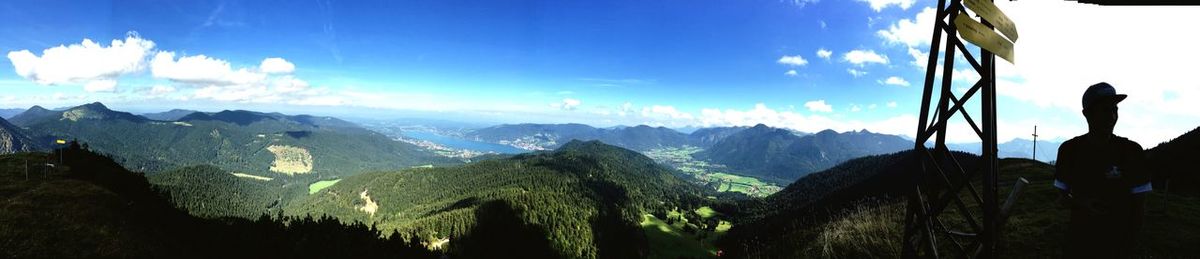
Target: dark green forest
x=89, y=206
x=583, y=200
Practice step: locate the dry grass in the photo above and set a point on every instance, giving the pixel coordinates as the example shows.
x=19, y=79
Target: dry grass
x=255, y=177
x=870, y=230
x=370, y=207
x=290, y=160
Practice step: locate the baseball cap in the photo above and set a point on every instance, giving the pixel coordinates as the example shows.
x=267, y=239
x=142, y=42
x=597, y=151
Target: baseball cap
x=1101, y=92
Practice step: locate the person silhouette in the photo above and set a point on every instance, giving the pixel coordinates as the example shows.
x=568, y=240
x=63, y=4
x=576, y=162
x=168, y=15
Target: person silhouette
x=1102, y=178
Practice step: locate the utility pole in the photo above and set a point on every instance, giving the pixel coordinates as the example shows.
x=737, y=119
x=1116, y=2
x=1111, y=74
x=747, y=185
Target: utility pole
x=1034, y=142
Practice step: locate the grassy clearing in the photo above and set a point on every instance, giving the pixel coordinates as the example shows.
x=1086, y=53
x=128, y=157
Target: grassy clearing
x=317, y=186
x=255, y=177
x=682, y=238
x=290, y=160
x=669, y=241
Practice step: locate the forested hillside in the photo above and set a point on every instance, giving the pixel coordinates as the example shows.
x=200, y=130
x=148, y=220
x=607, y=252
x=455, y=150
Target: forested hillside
x=208, y=191
x=91, y=207
x=173, y=114
x=13, y=139
x=583, y=200
x=1173, y=164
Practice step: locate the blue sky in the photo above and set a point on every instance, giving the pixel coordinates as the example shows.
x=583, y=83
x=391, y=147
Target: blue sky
x=671, y=63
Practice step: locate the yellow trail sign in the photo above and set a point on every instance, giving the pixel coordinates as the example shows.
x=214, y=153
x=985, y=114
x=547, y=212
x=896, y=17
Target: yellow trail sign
x=59, y=141
x=989, y=12
x=984, y=37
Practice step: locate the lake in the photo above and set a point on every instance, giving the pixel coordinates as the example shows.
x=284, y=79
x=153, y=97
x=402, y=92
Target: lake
x=459, y=143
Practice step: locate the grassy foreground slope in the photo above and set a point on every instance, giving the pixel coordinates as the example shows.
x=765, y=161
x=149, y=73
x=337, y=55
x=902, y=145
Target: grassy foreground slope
x=584, y=200
x=871, y=226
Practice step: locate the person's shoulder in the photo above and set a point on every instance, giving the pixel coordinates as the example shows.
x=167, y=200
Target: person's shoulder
x=1127, y=143
x=1071, y=143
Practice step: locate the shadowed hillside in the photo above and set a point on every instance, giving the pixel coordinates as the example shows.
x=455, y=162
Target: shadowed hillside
x=92, y=207
x=862, y=219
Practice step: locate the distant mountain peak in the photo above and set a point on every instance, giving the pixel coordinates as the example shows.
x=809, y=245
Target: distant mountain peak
x=95, y=106
x=37, y=108
x=239, y=117
x=97, y=111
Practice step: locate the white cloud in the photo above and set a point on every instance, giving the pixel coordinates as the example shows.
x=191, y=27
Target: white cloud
x=626, y=109
x=818, y=106
x=862, y=57
x=567, y=104
x=892, y=104
x=898, y=125
x=855, y=108
x=796, y=60
x=878, y=5
x=791, y=72
x=320, y=101
x=289, y=84
x=895, y=81
x=276, y=66
x=88, y=63
x=872, y=106
x=856, y=72
x=158, y=90
x=200, y=70
x=101, y=85
x=824, y=53
x=965, y=75
x=665, y=112
x=801, y=3
x=920, y=58
x=916, y=32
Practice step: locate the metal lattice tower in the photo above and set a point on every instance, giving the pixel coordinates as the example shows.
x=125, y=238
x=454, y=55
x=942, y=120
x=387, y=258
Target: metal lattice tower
x=942, y=184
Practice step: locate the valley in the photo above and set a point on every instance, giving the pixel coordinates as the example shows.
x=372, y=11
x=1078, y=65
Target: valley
x=710, y=175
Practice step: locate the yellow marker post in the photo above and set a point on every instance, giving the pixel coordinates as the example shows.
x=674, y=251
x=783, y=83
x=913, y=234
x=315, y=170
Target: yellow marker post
x=991, y=13
x=60, y=142
x=984, y=37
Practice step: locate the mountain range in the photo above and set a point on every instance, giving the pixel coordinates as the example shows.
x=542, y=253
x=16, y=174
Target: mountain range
x=8, y=113
x=779, y=155
x=266, y=144
x=173, y=114
x=13, y=139
x=641, y=138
